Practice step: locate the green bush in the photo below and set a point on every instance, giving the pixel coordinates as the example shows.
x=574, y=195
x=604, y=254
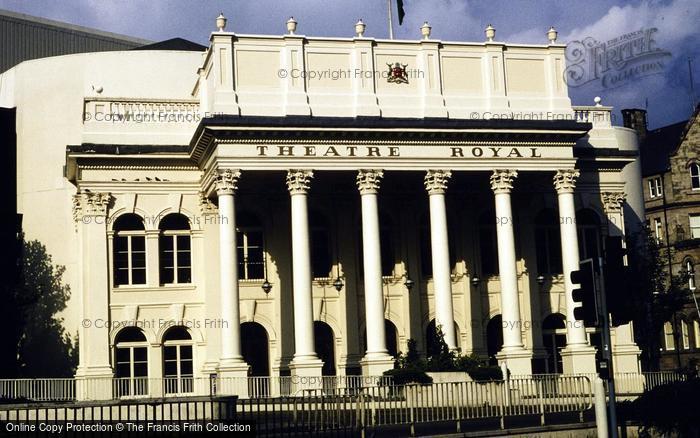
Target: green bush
x=410, y=368
x=486, y=374
x=670, y=409
x=403, y=376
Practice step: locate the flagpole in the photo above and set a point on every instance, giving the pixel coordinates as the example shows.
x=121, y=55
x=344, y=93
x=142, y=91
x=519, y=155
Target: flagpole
x=391, y=28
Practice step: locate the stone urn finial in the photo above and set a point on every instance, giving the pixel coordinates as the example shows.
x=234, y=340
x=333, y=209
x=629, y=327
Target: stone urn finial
x=291, y=25
x=552, y=35
x=221, y=22
x=490, y=33
x=425, y=30
x=360, y=28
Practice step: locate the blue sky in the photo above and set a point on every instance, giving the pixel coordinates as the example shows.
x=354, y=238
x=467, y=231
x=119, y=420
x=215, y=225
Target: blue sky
x=667, y=93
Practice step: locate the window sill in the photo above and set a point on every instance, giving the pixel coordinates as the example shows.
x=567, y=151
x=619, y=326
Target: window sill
x=144, y=288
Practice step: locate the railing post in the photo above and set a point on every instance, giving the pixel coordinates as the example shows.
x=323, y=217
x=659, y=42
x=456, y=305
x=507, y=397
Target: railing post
x=540, y=397
x=601, y=412
x=412, y=417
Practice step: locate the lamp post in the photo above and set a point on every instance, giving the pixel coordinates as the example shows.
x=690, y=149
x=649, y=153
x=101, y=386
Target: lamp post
x=475, y=281
x=540, y=280
x=408, y=282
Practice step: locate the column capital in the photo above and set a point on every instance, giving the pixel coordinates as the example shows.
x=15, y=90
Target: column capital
x=227, y=181
x=436, y=181
x=565, y=180
x=86, y=203
x=612, y=201
x=205, y=205
x=502, y=180
x=299, y=181
x=369, y=180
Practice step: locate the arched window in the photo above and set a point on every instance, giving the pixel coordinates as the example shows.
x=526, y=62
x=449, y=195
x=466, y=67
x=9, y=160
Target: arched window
x=690, y=269
x=387, y=245
x=178, y=363
x=324, y=342
x=494, y=338
x=175, y=248
x=588, y=227
x=695, y=176
x=131, y=362
x=696, y=332
x=488, y=244
x=321, y=258
x=251, y=247
x=129, y=250
x=548, y=242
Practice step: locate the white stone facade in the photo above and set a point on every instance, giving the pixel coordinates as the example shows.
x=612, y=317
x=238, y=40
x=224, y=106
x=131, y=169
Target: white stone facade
x=280, y=175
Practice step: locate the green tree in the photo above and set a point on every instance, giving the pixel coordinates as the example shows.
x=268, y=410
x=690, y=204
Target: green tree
x=656, y=294
x=44, y=349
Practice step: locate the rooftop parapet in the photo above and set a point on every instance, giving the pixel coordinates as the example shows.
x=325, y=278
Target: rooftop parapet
x=293, y=74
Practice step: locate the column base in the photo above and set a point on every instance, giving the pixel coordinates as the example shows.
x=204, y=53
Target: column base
x=626, y=359
x=578, y=360
x=375, y=365
x=232, y=378
x=306, y=376
x=517, y=361
x=94, y=383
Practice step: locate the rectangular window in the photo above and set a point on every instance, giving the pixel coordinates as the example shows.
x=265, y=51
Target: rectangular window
x=655, y=188
x=685, y=335
x=669, y=342
x=657, y=229
x=694, y=220
x=251, y=256
x=696, y=332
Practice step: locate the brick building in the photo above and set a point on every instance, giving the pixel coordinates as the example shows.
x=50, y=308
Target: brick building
x=671, y=179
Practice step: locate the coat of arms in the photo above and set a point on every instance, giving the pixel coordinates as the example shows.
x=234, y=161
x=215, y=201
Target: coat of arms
x=397, y=73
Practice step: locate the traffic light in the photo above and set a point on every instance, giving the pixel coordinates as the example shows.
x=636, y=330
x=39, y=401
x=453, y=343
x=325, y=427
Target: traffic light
x=585, y=294
x=616, y=284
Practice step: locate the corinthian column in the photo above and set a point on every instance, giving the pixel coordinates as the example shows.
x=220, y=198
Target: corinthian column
x=305, y=361
x=231, y=363
x=513, y=353
x=377, y=359
x=436, y=184
x=578, y=356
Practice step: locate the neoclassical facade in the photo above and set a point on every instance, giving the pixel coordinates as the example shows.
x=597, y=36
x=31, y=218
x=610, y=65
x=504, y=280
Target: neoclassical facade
x=269, y=219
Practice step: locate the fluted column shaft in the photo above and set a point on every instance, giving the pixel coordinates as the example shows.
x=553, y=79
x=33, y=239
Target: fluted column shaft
x=502, y=184
x=436, y=184
x=226, y=185
x=298, y=183
x=368, y=182
x=565, y=184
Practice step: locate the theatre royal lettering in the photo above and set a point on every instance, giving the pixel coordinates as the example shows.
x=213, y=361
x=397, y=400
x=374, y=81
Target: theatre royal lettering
x=398, y=151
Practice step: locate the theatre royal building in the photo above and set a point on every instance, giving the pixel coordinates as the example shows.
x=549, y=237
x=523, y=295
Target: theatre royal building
x=288, y=205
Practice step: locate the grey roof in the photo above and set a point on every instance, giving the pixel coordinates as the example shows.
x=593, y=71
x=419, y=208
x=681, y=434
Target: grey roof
x=661, y=143
x=26, y=37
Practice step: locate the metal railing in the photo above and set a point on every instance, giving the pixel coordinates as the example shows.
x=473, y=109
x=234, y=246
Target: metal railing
x=173, y=409
x=68, y=389
x=381, y=406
